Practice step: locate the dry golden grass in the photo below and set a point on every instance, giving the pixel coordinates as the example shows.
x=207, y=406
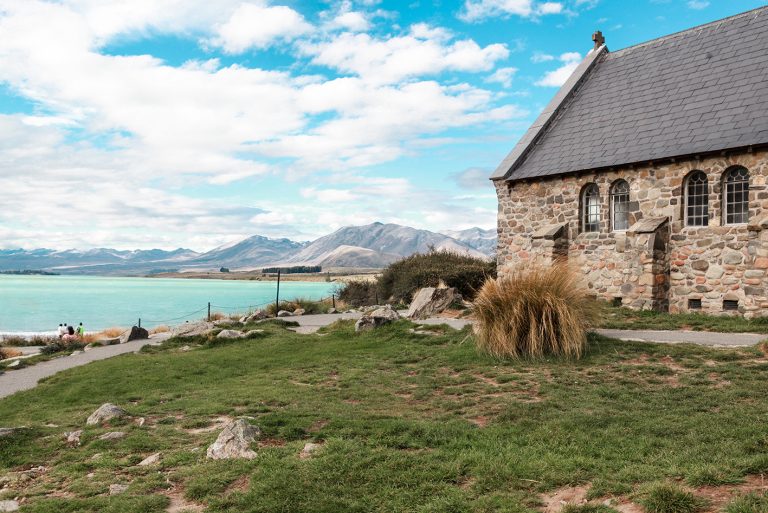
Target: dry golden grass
x=7, y=352
x=160, y=329
x=534, y=311
x=218, y=316
x=113, y=332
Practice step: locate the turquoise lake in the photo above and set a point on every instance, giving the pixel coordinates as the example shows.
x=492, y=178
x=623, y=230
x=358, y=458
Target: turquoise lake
x=40, y=303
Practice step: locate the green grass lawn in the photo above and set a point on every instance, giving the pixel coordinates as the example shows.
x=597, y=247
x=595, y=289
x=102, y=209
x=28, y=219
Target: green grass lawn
x=409, y=422
x=624, y=318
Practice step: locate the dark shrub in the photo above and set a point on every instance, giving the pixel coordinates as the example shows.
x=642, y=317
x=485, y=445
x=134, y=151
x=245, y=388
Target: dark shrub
x=358, y=293
x=403, y=278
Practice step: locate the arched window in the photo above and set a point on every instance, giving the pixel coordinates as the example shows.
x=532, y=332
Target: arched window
x=620, y=206
x=590, y=208
x=697, y=200
x=736, y=196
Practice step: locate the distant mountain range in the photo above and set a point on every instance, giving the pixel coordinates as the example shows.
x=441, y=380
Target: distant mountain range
x=370, y=246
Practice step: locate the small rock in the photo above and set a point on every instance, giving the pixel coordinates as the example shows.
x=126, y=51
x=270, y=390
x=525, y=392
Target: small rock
x=73, y=437
x=90, y=475
x=150, y=460
x=140, y=421
x=116, y=489
x=75, y=353
x=136, y=333
x=253, y=333
x=96, y=456
x=375, y=318
x=114, y=435
x=332, y=311
x=299, y=311
x=309, y=449
x=7, y=506
x=13, y=364
x=230, y=334
x=222, y=322
x=284, y=313
x=258, y=315
x=104, y=413
x=234, y=441
x=186, y=348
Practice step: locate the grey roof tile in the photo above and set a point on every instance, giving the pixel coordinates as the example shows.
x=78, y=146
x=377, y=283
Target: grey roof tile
x=698, y=90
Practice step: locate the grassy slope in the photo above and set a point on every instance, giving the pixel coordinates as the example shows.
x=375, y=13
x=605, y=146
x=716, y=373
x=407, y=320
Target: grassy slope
x=399, y=414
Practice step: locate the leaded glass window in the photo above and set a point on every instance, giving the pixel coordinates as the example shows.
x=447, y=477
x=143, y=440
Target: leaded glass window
x=697, y=200
x=620, y=206
x=736, y=196
x=590, y=209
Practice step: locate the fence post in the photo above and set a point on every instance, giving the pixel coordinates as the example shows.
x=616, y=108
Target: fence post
x=139, y=322
x=277, y=297
x=209, y=311
x=333, y=298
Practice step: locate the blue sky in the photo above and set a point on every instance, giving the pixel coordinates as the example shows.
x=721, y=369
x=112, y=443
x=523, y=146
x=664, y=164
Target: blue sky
x=168, y=123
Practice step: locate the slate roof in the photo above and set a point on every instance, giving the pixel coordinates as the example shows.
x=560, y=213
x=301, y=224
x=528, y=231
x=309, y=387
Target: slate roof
x=697, y=91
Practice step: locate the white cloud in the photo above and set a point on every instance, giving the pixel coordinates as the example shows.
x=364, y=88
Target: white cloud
x=503, y=76
x=539, y=57
x=257, y=25
x=477, y=10
x=556, y=78
x=424, y=50
x=162, y=129
x=698, y=4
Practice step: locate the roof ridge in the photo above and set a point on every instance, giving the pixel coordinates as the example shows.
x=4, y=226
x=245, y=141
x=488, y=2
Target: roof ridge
x=692, y=29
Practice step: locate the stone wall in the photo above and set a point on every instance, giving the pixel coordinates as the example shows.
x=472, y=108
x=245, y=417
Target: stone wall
x=713, y=263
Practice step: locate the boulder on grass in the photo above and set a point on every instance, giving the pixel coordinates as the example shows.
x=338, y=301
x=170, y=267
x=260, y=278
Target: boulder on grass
x=375, y=318
x=8, y=506
x=234, y=441
x=258, y=315
x=299, y=311
x=230, y=334
x=430, y=301
x=105, y=412
x=136, y=333
x=73, y=437
x=191, y=329
x=112, y=436
x=284, y=313
x=151, y=460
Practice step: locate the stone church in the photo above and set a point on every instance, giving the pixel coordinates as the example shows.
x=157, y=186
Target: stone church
x=647, y=171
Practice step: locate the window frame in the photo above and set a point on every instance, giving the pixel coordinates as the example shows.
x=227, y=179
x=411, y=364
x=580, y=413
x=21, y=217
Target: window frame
x=726, y=192
x=687, y=216
x=614, y=193
x=591, y=206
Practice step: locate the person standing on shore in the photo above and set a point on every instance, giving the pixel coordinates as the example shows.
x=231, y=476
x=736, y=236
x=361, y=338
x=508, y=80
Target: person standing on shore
x=80, y=331
x=61, y=330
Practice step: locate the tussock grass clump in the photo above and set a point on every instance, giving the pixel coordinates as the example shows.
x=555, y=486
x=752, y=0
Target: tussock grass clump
x=113, y=332
x=309, y=306
x=7, y=352
x=160, y=329
x=749, y=503
x=535, y=311
x=669, y=498
x=587, y=508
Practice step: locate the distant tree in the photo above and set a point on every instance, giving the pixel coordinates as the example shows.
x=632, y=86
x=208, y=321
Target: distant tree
x=224, y=270
x=299, y=269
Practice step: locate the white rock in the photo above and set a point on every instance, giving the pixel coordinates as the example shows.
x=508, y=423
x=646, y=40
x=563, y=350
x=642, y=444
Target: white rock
x=234, y=441
x=230, y=334
x=375, y=318
x=105, y=412
x=309, y=449
x=73, y=437
x=191, y=329
x=253, y=333
x=299, y=311
x=7, y=506
x=116, y=489
x=13, y=364
x=284, y=313
x=151, y=460
x=114, y=435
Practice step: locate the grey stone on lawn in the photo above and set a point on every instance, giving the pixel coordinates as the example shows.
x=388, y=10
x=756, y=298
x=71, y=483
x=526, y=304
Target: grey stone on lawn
x=105, y=412
x=253, y=333
x=186, y=348
x=14, y=364
x=299, y=311
x=430, y=301
x=151, y=460
x=309, y=449
x=112, y=436
x=191, y=329
x=117, y=489
x=8, y=506
x=375, y=318
x=284, y=313
x=234, y=441
x=230, y=334
x=135, y=333
x=8, y=432
x=222, y=322
x=73, y=437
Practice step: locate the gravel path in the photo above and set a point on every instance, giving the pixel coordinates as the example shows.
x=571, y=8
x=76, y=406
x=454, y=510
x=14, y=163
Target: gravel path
x=25, y=379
